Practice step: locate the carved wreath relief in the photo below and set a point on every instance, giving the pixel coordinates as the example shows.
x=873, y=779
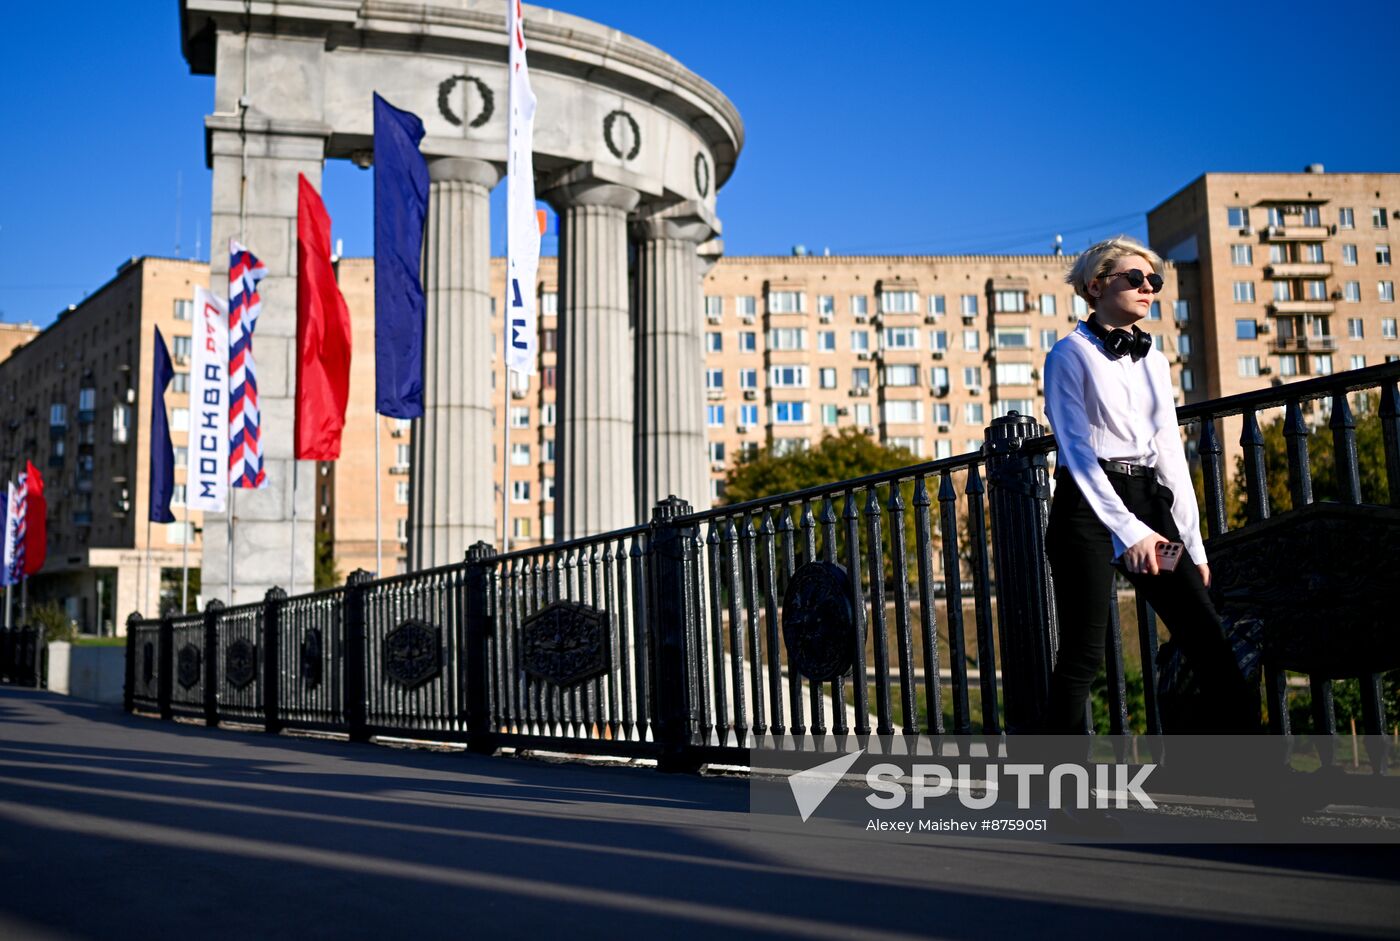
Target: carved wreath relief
x=566, y=643
x=624, y=142
x=819, y=626
x=483, y=114
x=413, y=653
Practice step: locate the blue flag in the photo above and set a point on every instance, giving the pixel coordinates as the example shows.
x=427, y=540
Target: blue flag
x=400, y=206
x=162, y=454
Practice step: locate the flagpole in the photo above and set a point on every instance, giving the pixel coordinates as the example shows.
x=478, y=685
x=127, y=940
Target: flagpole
x=292, y=580
x=185, y=564
x=146, y=581
x=378, y=514
x=505, y=455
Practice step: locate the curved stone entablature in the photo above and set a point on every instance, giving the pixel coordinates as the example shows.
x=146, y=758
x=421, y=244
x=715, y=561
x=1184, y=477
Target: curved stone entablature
x=605, y=98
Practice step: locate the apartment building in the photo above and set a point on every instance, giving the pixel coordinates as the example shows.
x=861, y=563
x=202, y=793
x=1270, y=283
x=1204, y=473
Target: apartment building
x=15, y=335
x=74, y=399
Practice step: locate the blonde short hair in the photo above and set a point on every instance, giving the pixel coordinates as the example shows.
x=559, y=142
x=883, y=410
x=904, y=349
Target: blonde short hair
x=1099, y=259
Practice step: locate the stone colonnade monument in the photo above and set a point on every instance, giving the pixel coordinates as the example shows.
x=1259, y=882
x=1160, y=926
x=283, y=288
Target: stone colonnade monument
x=630, y=149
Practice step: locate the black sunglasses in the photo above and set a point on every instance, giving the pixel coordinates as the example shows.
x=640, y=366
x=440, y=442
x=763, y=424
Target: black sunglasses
x=1135, y=278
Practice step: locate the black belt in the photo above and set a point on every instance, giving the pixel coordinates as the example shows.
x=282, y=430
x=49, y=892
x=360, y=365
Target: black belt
x=1126, y=469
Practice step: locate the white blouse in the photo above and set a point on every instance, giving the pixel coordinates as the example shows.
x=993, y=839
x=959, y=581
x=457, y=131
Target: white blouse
x=1119, y=410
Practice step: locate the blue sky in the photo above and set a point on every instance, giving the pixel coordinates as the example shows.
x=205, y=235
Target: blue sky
x=915, y=127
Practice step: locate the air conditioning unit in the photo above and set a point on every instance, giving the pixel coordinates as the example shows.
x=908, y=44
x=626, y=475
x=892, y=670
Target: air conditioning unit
x=746, y=318
x=750, y=394
x=1332, y=229
x=865, y=356
x=1264, y=329
x=859, y=391
x=518, y=393
x=974, y=390
x=714, y=318
x=1247, y=230
x=742, y=429
x=1337, y=295
x=826, y=318
x=870, y=429
x=1266, y=370
x=713, y=394
x=396, y=432
x=944, y=427
x=843, y=410
x=930, y=318
x=862, y=318
x=182, y=359
x=717, y=465
x=937, y=354
x=130, y=395
x=938, y=389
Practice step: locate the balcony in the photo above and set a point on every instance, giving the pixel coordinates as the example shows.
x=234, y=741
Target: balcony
x=1295, y=233
x=1282, y=308
x=1299, y=269
x=1305, y=345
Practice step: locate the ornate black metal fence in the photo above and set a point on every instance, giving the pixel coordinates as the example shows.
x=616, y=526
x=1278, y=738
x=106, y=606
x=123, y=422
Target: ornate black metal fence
x=915, y=601
x=22, y=657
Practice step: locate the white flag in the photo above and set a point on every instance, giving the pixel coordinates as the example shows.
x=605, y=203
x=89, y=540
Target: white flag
x=11, y=499
x=207, y=470
x=522, y=225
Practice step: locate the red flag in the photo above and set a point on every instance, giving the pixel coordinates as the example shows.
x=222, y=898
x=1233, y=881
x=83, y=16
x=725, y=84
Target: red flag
x=323, y=335
x=36, y=509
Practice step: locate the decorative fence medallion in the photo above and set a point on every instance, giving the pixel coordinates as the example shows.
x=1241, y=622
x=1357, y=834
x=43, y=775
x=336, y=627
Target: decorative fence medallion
x=413, y=653
x=311, y=659
x=148, y=663
x=240, y=663
x=187, y=670
x=819, y=625
x=566, y=643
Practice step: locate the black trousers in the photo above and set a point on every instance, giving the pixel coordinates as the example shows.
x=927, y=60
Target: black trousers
x=1080, y=550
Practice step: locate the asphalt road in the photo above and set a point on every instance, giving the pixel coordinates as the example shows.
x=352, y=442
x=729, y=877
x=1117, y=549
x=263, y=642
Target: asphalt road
x=117, y=827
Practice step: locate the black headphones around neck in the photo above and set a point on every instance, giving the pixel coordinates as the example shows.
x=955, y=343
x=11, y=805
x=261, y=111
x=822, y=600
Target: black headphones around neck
x=1119, y=343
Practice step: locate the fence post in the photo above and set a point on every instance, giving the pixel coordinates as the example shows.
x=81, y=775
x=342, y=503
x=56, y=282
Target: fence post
x=129, y=682
x=669, y=614
x=356, y=661
x=165, y=663
x=1018, y=493
x=212, y=609
x=272, y=659
x=478, y=629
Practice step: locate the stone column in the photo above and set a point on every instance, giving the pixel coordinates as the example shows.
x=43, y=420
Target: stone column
x=277, y=150
x=452, y=497
x=671, y=452
x=593, y=454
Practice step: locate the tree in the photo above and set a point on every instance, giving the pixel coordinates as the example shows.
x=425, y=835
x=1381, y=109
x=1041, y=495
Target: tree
x=1370, y=451
x=327, y=574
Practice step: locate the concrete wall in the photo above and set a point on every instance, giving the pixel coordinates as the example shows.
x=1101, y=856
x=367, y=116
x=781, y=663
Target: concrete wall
x=94, y=673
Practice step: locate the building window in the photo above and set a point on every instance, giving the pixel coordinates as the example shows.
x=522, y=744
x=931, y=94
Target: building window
x=860, y=341
x=184, y=309
x=1246, y=330
x=181, y=383
x=1182, y=311
x=1010, y=302
x=1386, y=290
x=549, y=303
x=1019, y=406
x=826, y=341
x=972, y=341
x=936, y=306
x=1013, y=374
x=1312, y=253
x=121, y=424
x=714, y=342
x=549, y=377
x=942, y=448
x=1241, y=254
x=748, y=341
x=519, y=417
x=899, y=302
x=1382, y=254
x=1015, y=339
x=1352, y=291
x=974, y=413
x=1349, y=254
x=548, y=448
x=1048, y=338
x=787, y=338
x=942, y=413
x=1312, y=216
x=860, y=305
x=520, y=491
x=549, y=340
x=903, y=374
x=747, y=306
x=58, y=415
x=748, y=379
x=401, y=533
x=1388, y=328
x=520, y=454
x=402, y=456
x=1378, y=218
x=1079, y=306
x=401, y=492
x=182, y=348
x=714, y=306
x=714, y=379
x=1283, y=290
x=863, y=415
x=1356, y=328
x=1346, y=217
x=748, y=415
x=787, y=302
x=522, y=527
x=1275, y=214
x=182, y=457
x=180, y=419
x=968, y=304
x=938, y=378
x=1183, y=344
x=1322, y=364
x=1155, y=311
x=826, y=305
x=1237, y=217
x=938, y=340
x=1288, y=365
x=789, y=413
x=547, y=486
x=903, y=413
x=860, y=377
x=1249, y=367
x=827, y=376
x=972, y=378
x=829, y=414
x=714, y=415
x=1315, y=290
x=1244, y=291
x=1047, y=305
x=914, y=446
x=1158, y=343
x=547, y=413
x=785, y=446
x=1188, y=380
x=791, y=377
x=1358, y=361
x=899, y=338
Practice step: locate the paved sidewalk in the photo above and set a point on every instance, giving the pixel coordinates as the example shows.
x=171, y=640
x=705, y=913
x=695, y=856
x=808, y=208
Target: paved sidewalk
x=116, y=827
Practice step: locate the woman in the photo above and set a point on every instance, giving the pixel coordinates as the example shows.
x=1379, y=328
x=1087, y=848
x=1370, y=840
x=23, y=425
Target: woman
x=1123, y=489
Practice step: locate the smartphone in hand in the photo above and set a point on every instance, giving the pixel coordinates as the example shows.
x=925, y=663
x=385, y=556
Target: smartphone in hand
x=1168, y=555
